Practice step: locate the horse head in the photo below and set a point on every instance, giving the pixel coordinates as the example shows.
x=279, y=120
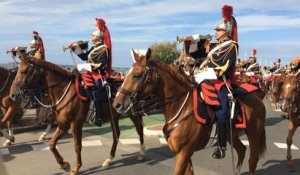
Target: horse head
x=138, y=83
x=26, y=79
x=290, y=92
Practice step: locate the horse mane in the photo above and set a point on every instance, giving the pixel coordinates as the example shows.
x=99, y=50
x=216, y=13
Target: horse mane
x=51, y=67
x=175, y=74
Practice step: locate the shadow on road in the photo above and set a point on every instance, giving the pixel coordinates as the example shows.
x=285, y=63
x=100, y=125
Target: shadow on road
x=278, y=167
x=162, y=153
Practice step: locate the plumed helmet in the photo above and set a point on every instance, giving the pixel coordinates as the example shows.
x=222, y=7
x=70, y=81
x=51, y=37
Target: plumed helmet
x=225, y=26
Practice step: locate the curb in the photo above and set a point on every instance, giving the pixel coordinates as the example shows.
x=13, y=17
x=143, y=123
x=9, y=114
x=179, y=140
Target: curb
x=155, y=130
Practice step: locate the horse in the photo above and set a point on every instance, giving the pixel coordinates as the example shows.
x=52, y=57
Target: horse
x=11, y=108
x=184, y=134
x=276, y=90
x=70, y=110
x=291, y=105
x=257, y=81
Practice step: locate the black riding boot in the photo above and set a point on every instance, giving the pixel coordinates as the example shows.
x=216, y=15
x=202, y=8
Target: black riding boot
x=99, y=113
x=219, y=152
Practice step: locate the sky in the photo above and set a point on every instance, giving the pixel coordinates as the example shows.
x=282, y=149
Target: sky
x=270, y=27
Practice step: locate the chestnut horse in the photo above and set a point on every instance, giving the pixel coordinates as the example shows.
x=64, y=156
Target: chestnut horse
x=262, y=89
x=11, y=108
x=291, y=105
x=70, y=110
x=7, y=106
x=185, y=134
x=276, y=91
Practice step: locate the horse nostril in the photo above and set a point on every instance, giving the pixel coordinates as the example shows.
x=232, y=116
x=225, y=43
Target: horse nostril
x=118, y=105
x=13, y=97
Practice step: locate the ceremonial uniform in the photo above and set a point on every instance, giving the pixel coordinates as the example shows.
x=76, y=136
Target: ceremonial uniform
x=93, y=80
x=222, y=58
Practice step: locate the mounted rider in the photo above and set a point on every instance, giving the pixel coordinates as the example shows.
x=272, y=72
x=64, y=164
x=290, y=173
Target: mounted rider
x=252, y=65
x=94, y=80
x=222, y=58
x=37, y=46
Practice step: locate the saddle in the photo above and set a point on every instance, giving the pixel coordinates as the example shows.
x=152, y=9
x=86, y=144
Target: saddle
x=82, y=92
x=206, y=102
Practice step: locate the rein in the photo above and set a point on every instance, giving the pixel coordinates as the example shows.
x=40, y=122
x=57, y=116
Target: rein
x=54, y=105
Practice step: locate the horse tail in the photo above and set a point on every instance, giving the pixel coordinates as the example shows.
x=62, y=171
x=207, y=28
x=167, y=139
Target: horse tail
x=263, y=145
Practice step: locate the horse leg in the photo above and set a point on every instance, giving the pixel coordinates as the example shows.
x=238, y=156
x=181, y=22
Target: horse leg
x=10, y=138
x=241, y=151
x=116, y=135
x=47, y=131
x=138, y=123
x=77, y=137
x=257, y=143
x=52, y=145
x=289, y=141
x=189, y=168
x=182, y=161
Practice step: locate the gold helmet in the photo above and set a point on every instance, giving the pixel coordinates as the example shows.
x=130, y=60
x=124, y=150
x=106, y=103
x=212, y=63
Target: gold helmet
x=225, y=26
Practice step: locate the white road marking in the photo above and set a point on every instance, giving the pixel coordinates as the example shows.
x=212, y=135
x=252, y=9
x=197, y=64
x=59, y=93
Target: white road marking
x=284, y=146
x=41, y=147
x=130, y=141
x=91, y=143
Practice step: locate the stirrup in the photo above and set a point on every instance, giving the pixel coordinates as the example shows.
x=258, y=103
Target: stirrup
x=219, y=153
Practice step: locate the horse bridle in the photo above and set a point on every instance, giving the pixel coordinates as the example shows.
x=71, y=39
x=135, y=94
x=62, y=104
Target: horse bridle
x=134, y=95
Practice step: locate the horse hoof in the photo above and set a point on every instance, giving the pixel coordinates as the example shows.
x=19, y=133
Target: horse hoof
x=12, y=139
x=66, y=166
x=7, y=143
x=106, y=163
x=141, y=157
x=42, y=138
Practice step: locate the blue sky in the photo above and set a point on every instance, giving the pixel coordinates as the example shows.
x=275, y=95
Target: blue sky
x=271, y=27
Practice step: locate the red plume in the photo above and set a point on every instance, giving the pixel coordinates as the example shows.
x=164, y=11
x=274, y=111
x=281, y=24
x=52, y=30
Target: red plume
x=107, y=41
x=227, y=11
x=254, y=53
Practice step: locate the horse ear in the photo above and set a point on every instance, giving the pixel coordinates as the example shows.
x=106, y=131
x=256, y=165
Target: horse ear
x=135, y=57
x=148, y=54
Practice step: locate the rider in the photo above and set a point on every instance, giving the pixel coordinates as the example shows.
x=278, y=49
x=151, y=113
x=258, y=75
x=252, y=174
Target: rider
x=97, y=56
x=251, y=65
x=222, y=58
x=36, y=46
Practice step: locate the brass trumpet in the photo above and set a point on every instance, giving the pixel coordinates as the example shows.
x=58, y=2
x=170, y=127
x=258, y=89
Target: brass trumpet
x=193, y=38
x=82, y=44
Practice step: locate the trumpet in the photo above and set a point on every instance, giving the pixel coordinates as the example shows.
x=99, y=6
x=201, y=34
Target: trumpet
x=82, y=44
x=193, y=38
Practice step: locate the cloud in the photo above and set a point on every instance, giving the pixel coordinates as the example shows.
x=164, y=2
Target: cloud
x=137, y=24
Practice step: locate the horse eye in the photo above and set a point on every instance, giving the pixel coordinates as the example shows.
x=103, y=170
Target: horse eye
x=137, y=76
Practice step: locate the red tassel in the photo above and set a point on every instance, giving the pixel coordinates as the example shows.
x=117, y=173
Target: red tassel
x=234, y=32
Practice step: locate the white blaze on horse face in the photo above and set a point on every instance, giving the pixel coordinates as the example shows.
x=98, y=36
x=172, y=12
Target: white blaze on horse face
x=287, y=86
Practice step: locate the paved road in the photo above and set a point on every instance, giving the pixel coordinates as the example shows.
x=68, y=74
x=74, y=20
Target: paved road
x=27, y=156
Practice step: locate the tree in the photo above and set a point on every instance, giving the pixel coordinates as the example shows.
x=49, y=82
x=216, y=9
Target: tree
x=166, y=52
